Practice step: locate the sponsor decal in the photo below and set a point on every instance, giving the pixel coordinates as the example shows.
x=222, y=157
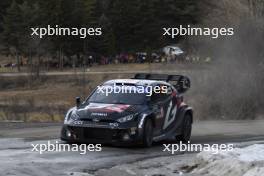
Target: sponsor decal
x=96, y=120
x=77, y=122
x=107, y=108
x=98, y=114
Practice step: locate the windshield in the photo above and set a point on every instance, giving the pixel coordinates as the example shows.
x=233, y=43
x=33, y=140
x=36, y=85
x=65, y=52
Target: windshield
x=118, y=95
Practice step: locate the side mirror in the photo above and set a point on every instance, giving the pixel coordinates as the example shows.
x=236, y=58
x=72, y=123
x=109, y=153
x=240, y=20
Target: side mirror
x=78, y=101
x=183, y=85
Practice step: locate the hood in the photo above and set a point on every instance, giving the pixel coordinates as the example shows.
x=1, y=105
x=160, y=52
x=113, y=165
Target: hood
x=105, y=111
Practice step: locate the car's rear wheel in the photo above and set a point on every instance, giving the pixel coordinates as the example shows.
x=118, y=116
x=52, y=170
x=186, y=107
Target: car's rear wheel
x=185, y=136
x=148, y=133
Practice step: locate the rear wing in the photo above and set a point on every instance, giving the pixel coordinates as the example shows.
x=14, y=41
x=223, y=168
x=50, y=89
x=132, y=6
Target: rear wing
x=180, y=82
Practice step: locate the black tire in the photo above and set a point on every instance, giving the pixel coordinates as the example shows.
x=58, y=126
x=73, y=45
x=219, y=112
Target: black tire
x=186, y=129
x=148, y=133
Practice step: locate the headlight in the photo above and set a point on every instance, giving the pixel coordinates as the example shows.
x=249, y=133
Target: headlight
x=74, y=116
x=126, y=118
x=68, y=115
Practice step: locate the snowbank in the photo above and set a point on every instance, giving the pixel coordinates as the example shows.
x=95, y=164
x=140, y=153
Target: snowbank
x=248, y=161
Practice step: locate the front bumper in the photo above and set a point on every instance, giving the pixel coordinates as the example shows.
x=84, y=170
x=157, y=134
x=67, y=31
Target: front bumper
x=101, y=134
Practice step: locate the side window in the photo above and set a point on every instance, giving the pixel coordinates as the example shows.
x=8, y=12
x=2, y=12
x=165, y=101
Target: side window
x=167, y=90
x=161, y=95
x=155, y=97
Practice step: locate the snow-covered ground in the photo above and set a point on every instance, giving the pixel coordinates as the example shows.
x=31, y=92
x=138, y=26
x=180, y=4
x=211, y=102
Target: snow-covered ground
x=247, y=161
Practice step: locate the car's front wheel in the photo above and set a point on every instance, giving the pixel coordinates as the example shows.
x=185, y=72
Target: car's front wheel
x=185, y=136
x=148, y=133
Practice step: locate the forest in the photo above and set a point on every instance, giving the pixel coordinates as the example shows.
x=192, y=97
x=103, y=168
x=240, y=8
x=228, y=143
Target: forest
x=128, y=26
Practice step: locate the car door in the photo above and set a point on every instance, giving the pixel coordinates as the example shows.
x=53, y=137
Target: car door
x=170, y=107
x=162, y=103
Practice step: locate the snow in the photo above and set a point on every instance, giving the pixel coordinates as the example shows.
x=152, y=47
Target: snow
x=248, y=161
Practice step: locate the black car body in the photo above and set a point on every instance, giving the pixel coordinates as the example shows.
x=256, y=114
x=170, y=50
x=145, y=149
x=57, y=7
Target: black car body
x=132, y=117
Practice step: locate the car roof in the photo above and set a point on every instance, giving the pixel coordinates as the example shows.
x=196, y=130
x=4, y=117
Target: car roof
x=138, y=82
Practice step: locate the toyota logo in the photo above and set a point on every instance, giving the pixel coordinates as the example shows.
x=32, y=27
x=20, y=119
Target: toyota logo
x=96, y=120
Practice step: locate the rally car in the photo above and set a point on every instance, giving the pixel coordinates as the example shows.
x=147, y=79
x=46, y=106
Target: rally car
x=141, y=116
